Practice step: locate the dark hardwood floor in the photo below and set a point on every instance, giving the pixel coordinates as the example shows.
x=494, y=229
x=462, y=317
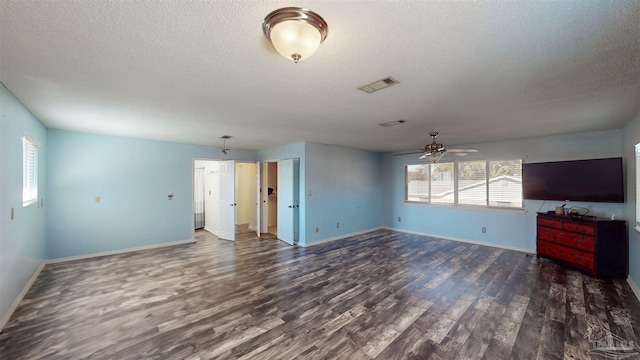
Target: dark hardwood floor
x=381, y=295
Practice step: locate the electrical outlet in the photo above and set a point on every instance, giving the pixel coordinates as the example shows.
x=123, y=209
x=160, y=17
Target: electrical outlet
x=399, y=219
x=337, y=225
x=317, y=229
x=484, y=230
x=97, y=199
x=12, y=213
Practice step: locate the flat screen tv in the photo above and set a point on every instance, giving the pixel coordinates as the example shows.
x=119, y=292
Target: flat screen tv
x=595, y=180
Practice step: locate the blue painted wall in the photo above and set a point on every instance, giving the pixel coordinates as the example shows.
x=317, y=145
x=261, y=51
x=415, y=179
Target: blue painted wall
x=132, y=177
x=22, y=240
x=515, y=229
x=345, y=188
x=292, y=151
x=630, y=138
x=344, y=184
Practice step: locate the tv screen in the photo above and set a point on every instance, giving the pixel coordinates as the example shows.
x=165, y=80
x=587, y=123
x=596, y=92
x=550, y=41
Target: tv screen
x=595, y=180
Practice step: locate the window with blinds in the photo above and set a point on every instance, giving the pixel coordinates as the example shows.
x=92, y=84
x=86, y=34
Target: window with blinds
x=490, y=183
x=29, y=172
x=638, y=186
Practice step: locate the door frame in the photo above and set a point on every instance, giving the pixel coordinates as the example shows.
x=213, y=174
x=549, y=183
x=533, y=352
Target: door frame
x=193, y=168
x=193, y=173
x=258, y=185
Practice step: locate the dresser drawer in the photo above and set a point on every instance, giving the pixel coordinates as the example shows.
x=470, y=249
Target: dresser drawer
x=581, y=228
x=580, y=241
x=549, y=234
x=567, y=254
x=550, y=222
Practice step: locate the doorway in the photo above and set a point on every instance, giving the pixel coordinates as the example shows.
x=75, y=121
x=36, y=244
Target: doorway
x=239, y=195
x=281, y=201
x=246, y=194
x=225, y=197
x=270, y=199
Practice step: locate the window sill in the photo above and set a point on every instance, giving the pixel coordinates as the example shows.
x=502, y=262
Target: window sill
x=472, y=208
x=30, y=202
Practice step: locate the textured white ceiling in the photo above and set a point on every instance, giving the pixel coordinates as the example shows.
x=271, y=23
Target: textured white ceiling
x=194, y=71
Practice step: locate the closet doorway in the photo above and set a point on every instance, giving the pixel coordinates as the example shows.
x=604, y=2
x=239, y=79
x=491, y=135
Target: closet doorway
x=281, y=207
x=270, y=198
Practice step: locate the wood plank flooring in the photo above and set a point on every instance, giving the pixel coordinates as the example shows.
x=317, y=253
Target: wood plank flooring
x=381, y=295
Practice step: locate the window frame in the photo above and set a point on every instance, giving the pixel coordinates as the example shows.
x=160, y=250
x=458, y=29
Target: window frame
x=637, y=173
x=486, y=182
x=406, y=184
x=456, y=187
x=30, y=165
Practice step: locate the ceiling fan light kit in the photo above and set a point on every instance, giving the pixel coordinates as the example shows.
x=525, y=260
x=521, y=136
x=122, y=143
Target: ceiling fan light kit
x=295, y=33
x=433, y=157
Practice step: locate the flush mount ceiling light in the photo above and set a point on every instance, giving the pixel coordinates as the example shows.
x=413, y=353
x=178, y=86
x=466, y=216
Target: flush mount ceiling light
x=295, y=33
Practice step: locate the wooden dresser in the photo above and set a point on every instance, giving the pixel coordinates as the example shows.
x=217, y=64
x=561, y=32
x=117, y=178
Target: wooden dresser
x=596, y=246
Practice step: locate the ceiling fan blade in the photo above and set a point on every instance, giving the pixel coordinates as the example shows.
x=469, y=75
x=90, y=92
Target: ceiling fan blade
x=462, y=150
x=409, y=153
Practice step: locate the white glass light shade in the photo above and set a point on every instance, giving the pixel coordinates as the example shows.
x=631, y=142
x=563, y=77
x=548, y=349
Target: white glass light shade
x=294, y=32
x=295, y=39
x=435, y=157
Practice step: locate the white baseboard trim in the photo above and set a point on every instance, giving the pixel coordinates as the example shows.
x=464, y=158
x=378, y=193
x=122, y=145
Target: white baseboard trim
x=500, y=246
x=324, y=241
x=211, y=230
x=121, y=251
x=20, y=296
x=634, y=287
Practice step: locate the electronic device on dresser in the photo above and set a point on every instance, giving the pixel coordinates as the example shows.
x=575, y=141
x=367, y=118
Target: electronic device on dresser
x=596, y=246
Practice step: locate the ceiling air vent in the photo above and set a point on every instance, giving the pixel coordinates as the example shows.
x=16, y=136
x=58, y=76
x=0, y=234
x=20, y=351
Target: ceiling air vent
x=392, y=123
x=378, y=85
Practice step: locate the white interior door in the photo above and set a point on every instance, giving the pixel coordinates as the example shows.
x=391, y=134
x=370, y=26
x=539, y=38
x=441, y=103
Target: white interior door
x=265, y=198
x=227, y=200
x=286, y=201
x=258, y=199
x=212, y=197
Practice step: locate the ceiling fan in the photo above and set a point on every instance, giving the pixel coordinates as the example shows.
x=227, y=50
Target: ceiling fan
x=435, y=151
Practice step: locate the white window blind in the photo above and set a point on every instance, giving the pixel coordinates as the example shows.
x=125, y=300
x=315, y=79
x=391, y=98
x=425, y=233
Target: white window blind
x=472, y=182
x=29, y=172
x=505, y=183
x=637, y=185
x=417, y=182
